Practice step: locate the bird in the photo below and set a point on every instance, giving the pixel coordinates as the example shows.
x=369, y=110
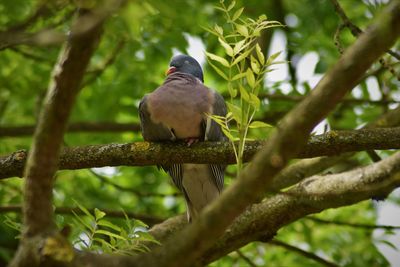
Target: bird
x=178, y=110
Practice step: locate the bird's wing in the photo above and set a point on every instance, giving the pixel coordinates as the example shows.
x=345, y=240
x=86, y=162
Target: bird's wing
x=213, y=132
x=152, y=131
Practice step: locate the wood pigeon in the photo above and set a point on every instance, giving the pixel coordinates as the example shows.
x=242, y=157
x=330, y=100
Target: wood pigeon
x=177, y=111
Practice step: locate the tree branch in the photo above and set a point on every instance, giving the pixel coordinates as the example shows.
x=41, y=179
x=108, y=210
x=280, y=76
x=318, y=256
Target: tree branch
x=144, y=153
x=355, y=225
x=42, y=162
x=355, y=30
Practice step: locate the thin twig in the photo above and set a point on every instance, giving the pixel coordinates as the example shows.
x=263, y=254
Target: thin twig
x=302, y=252
x=355, y=225
x=245, y=258
x=131, y=190
x=356, y=31
x=94, y=74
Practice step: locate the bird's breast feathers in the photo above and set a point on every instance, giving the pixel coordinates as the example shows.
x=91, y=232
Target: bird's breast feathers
x=181, y=106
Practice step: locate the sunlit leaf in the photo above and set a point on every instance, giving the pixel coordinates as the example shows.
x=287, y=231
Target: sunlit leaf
x=259, y=124
x=98, y=214
x=218, y=29
x=226, y=46
x=232, y=5
x=108, y=233
x=232, y=92
x=228, y=134
x=241, y=57
x=239, y=76
x=244, y=94
x=238, y=46
x=237, y=13
x=218, y=70
x=242, y=30
x=254, y=101
x=219, y=59
x=255, y=66
x=272, y=57
x=260, y=54
x=236, y=111
x=250, y=78
x=109, y=225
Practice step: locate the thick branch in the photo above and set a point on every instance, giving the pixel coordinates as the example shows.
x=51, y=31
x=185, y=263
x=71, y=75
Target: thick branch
x=42, y=162
x=143, y=153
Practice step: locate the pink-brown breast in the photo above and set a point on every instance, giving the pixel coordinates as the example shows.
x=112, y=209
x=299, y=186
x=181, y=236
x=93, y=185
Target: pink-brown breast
x=181, y=105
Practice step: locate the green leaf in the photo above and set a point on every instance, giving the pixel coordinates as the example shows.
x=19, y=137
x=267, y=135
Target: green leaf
x=81, y=221
x=250, y=78
x=108, y=233
x=226, y=46
x=219, y=59
x=232, y=92
x=273, y=57
x=218, y=29
x=254, y=101
x=238, y=76
x=232, y=5
x=98, y=214
x=139, y=223
x=241, y=57
x=219, y=71
x=260, y=54
x=259, y=124
x=244, y=94
x=84, y=210
x=262, y=17
x=109, y=225
x=237, y=14
x=255, y=66
x=242, y=30
x=227, y=134
x=238, y=46
x=105, y=245
x=236, y=112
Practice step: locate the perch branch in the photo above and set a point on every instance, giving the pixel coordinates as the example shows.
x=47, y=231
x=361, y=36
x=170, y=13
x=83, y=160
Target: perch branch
x=144, y=153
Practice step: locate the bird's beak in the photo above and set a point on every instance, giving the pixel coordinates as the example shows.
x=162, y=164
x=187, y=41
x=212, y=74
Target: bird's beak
x=170, y=70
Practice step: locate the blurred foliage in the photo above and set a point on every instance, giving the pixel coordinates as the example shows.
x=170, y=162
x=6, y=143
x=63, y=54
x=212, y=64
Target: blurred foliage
x=140, y=40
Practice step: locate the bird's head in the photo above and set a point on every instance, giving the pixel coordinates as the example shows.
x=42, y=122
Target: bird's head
x=185, y=64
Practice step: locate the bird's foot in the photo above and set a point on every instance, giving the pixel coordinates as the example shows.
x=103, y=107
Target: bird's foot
x=191, y=140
